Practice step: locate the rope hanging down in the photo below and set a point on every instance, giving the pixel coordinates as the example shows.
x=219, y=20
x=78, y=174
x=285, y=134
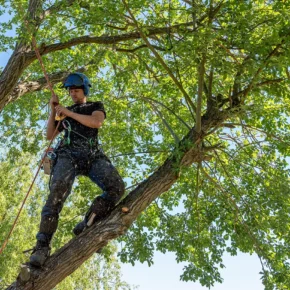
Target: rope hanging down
x=44, y=155
x=27, y=194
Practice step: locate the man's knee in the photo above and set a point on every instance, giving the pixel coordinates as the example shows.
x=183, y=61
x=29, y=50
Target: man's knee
x=116, y=190
x=58, y=193
x=58, y=188
x=48, y=211
x=121, y=187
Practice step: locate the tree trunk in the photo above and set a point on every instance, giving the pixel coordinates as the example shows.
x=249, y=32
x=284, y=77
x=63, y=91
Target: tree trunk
x=21, y=58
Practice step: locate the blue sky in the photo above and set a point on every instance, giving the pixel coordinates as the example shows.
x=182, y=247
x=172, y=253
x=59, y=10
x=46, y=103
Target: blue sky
x=241, y=272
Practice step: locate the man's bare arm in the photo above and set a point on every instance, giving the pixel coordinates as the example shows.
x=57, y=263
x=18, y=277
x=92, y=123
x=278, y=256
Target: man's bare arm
x=93, y=121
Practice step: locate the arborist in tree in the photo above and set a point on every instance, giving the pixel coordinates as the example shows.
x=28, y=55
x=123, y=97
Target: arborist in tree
x=77, y=154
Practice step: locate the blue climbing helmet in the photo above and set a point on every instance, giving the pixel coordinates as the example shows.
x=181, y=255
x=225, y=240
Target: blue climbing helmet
x=78, y=80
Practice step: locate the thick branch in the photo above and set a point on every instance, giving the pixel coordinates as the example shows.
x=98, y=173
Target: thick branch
x=33, y=86
x=139, y=47
x=34, y=6
x=23, y=55
x=111, y=39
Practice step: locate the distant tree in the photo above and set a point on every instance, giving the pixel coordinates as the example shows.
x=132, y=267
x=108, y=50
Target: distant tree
x=197, y=94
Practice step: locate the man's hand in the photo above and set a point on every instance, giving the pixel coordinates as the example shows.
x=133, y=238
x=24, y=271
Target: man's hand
x=53, y=102
x=60, y=110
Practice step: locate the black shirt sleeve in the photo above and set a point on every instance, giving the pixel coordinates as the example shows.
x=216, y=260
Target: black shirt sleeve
x=99, y=106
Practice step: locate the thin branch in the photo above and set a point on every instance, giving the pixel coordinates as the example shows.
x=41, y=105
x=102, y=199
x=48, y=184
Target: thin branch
x=210, y=81
x=260, y=69
x=161, y=104
x=269, y=82
x=136, y=153
x=119, y=28
x=158, y=57
x=287, y=73
x=157, y=80
x=246, y=90
x=199, y=94
x=149, y=69
x=196, y=197
x=257, y=129
x=165, y=123
x=230, y=178
x=229, y=53
x=111, y=39
x=193, y=12
x=56, y=8
x=187, y=2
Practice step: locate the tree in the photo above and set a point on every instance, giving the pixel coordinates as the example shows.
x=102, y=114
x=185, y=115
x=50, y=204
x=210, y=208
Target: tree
x=198, y=94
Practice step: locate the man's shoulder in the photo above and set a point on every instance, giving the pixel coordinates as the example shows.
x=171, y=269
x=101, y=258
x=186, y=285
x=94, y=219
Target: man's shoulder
x=97, y=105
x=90, y=107
x=87, y=105
x=94, y=103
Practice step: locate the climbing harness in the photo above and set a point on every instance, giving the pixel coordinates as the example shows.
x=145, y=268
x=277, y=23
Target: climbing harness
x=93, y=143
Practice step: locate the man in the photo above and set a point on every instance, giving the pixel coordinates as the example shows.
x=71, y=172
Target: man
x=78, y=154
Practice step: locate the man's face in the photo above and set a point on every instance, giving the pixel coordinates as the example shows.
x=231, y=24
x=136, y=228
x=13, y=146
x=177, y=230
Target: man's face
x=77, y=95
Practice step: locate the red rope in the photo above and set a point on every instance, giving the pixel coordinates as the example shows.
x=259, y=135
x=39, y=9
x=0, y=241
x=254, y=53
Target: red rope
x=28, y=192
x=41, y=162
x=42, y=65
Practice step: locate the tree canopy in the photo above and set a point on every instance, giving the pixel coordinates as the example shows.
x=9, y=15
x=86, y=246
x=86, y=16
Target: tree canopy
x=197, y=99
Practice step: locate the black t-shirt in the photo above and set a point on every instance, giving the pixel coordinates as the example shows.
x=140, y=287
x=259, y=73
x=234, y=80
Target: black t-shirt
x=77, y=134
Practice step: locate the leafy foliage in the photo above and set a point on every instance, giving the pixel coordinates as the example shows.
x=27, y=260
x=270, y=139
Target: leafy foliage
x=238, y=199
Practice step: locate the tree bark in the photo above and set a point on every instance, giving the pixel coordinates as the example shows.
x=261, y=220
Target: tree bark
x=19, y=60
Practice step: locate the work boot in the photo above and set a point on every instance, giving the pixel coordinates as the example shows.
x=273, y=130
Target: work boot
x=99, y=209
x=80, y=227
x=40, y=253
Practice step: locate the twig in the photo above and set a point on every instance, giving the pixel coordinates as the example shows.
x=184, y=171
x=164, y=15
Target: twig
x=136, y=153
x=161, y=104
x=165, y=123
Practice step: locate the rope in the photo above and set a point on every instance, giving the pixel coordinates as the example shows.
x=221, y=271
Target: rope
x=27, y=194
x=44, y=155
x=42, y=65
